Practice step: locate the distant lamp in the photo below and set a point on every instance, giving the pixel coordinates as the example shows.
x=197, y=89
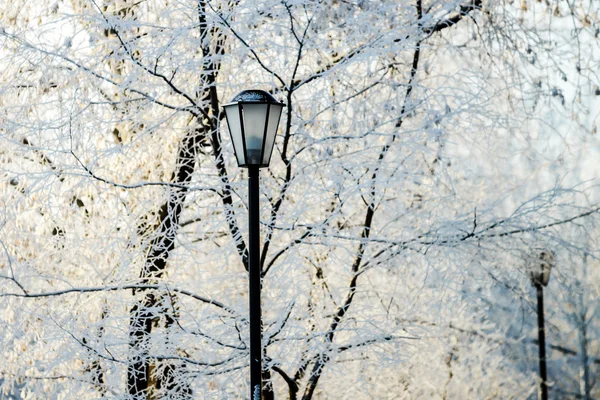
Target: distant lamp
x=253, y=116
x=541, y=265
x=541, y=268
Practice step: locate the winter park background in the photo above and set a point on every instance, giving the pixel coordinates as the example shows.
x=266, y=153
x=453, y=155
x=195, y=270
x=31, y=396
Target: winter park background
x=428, y=152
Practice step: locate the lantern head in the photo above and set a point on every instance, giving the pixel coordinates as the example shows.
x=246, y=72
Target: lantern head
x=253, y=117
x=540, y=270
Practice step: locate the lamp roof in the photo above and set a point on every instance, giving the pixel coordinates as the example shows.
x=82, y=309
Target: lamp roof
x=254, y=96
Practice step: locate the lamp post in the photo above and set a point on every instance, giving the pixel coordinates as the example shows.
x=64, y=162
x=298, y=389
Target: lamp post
x=253, y=117
x=540, y=276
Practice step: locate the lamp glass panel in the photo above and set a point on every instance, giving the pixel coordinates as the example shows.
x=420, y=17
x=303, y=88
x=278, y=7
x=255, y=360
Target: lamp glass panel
x=545, y=274
x=255, y=116
x=235, y=130
x=274, y=115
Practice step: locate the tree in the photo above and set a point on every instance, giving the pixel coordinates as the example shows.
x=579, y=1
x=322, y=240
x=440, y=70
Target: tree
x=410, y=175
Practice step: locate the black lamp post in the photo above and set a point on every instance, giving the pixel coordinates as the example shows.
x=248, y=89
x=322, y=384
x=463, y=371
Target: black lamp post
x=253, y=117
x=540, y=276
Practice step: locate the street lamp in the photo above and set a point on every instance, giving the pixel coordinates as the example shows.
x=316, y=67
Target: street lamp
x=540, y=276
x=253, y=117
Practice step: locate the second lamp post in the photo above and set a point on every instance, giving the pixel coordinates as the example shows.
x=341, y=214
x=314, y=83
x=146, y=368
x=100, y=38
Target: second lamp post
x=253, y=117
x=540, y=276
